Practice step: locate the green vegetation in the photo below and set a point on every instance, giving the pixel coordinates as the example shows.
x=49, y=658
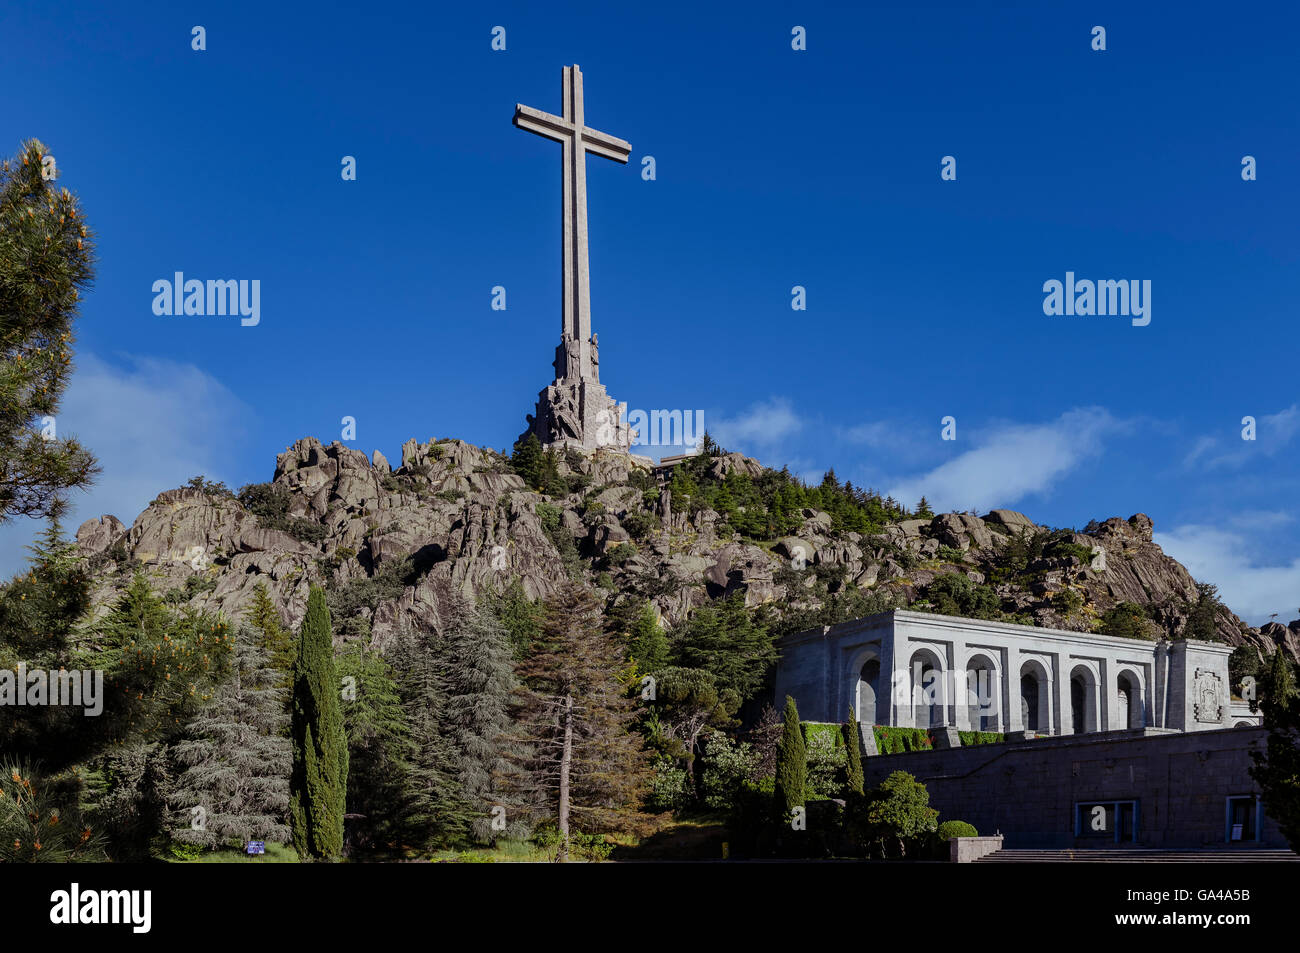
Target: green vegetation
x=791, y=762
x=318, y=785
x=1277, y=768
x=46, y=261
x=269, y=502
x=950, y=829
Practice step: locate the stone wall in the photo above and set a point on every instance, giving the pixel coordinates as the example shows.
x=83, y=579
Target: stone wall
x=1028, y=790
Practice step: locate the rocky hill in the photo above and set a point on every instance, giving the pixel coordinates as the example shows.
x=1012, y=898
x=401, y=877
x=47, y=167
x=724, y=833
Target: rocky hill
x=392, y=540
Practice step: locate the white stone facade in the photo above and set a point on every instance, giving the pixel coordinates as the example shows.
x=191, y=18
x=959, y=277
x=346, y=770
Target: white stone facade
x=922, y=670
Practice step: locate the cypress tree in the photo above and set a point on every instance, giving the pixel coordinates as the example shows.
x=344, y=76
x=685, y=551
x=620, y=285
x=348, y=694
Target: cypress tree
x=1279, y=683
x=852, y=742
x=318, y=787
x=791, y=761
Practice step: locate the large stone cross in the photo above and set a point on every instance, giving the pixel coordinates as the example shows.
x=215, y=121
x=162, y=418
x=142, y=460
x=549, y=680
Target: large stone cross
x=574, y=360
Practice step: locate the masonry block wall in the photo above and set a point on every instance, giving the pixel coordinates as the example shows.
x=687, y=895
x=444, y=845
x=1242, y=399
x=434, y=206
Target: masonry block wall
x=1029, y=791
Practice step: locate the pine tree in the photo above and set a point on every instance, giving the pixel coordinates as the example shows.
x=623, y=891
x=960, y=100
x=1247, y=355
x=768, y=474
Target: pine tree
x=159, y=667
x=852, y=743
x=574, y=718
x=278, y=641
x=38, y=610
x=318, y=788
x=234, y=758
x=479, y=684
x=46, y=261
x=791, y=762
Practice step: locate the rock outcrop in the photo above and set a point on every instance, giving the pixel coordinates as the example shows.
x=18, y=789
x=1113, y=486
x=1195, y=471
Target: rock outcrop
x=459, y=519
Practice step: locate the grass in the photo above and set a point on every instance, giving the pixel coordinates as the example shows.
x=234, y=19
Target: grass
x=275, y=854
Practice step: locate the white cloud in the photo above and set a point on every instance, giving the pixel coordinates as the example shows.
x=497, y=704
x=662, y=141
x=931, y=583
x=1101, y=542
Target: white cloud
x=1273, y=432
x=764, y=425
x=152, y=424
x=1248, y=587
x=1011, y=462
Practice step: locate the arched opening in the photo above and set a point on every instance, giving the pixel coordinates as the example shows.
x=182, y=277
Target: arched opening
x=928, y=702
x=1083, y=701
x=868, y=685
x=1132, y=711
x=1035, y=697
x=983, y=690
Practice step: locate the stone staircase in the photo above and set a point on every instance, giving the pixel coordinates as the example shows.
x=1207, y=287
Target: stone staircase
x=1138, y=855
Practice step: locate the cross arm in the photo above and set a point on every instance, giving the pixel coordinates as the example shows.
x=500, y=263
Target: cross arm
x=555, y=127
x=600, y=144
x=542, y=123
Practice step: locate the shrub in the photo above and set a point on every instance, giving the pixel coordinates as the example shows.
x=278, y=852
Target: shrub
x=950, y=829
x=668, y=788
x=639, y=524
x=969, y=738
x=827, y=761
x=726, y=766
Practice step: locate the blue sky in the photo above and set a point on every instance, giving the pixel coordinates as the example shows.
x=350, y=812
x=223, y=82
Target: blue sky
x=775, y=168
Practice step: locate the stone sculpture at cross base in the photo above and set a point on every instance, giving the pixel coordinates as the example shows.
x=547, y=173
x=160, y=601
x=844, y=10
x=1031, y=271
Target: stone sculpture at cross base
x=575, y=410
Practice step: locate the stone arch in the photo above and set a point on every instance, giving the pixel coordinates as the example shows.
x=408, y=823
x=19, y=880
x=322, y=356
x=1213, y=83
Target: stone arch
x=929, y=701
x=983, y=692
x=1131, y=699
x=1083, y=699
x=864, y=675
x=1035, y=696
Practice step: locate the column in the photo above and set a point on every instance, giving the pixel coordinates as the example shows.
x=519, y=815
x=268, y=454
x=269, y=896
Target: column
x=1061, y=694
x=1011, y=720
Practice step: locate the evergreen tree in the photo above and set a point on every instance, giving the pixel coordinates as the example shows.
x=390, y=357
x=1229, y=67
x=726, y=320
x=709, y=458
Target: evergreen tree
x=1202, y=617
x=40, y=818
x=527, y=459
x=438, y=816
x=38, y=610
x=380, y=755
x=791, y=762
x=1277, y=768
x=46, y=261
x=923, y=511
x=479, y=684
x=1279, y=686
x=574, y=716
x=852, y=745
x=647, y=643
x=234, y=759
x=724, y=638
x=521, y=617
x=549, y=480
x=159, y=667
x=318, y=787
x=278, y=641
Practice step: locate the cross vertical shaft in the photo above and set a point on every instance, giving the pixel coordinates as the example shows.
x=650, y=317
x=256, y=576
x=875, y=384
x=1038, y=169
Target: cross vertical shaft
x=574, y=358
